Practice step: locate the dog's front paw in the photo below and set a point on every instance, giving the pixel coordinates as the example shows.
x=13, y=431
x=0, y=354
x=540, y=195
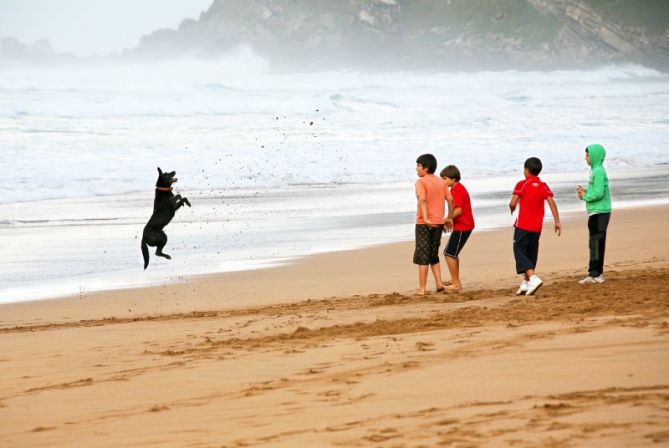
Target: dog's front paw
x=186, y=202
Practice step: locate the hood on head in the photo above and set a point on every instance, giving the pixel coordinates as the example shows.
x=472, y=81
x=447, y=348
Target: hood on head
x=597, y=154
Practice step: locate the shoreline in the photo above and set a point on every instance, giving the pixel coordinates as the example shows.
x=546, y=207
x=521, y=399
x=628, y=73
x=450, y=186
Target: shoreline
x=104, y=284
x=380, y=268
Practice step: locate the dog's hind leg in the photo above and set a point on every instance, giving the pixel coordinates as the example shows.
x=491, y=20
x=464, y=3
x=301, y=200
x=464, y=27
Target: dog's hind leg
x=162, y=241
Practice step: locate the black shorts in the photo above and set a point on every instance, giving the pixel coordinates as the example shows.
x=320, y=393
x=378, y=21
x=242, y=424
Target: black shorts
x=428, y=240
x=525, y=249
x=456, y=242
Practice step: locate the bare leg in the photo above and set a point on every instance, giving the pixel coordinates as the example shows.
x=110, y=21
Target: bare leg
x=454, y=269
x=436, y=272
x=529, y=273
x=422, y=278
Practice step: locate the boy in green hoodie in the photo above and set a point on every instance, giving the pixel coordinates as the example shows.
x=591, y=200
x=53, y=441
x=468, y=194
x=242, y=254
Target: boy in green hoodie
x=598, y=204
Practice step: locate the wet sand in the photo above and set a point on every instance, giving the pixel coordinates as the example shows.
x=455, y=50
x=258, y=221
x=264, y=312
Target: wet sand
x=335, y=350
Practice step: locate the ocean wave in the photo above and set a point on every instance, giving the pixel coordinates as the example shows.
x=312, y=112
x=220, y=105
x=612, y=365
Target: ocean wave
x=87, y=131
x=361, y=105
x=242, y=84
x=67, y=222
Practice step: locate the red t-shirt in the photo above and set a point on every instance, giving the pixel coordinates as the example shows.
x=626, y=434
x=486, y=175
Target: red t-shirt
x=533, y=193
x=461, y=200
x=435, y=190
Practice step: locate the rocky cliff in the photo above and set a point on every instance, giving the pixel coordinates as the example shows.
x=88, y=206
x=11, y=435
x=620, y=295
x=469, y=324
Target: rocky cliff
x=635, y=36
x=11, y=49
x=436, y=34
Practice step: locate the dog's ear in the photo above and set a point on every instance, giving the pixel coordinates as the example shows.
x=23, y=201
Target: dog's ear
x=160, y=172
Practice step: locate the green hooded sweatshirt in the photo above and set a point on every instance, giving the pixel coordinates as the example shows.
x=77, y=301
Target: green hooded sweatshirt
x=597, y=198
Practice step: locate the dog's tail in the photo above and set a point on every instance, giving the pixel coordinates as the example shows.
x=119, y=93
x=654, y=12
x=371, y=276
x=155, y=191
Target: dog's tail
x=145, y=253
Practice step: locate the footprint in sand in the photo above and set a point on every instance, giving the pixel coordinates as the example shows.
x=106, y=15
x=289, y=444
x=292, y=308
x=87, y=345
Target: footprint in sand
x=424, y=346
x=158, y=408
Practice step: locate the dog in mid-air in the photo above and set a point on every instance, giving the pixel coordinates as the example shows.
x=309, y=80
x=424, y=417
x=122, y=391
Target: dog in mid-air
x=165, y=206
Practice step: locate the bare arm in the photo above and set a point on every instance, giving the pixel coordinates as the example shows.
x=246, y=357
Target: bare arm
x=449, y=201
x=556, y=215
x=448, y=222
x=513, y=203
x=422, y=203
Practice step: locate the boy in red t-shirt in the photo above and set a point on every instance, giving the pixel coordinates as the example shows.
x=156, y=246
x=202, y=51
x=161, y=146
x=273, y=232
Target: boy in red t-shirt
x=531, y=194
x=463, y=224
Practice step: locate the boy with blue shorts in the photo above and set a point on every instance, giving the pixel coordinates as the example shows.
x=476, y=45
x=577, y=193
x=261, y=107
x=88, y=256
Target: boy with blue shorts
x=530, y=194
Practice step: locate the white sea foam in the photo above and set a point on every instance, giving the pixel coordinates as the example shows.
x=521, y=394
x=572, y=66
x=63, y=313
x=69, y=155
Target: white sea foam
x=279, y=165
x=228, y=124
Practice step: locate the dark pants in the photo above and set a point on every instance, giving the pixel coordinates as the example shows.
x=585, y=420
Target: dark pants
x=597, y=225
x=525, y=249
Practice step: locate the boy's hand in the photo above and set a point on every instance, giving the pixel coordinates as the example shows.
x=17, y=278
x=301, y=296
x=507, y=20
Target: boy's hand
x=558, y=228
x=448, y=224
x=580, y=191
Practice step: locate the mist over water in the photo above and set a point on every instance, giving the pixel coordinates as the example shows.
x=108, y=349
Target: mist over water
x=279, y=165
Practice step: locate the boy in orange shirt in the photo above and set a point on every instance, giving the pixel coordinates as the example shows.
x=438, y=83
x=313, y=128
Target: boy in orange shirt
x=431, y=192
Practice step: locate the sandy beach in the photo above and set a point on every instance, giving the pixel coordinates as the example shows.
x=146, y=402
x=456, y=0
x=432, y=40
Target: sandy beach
x=335, y=350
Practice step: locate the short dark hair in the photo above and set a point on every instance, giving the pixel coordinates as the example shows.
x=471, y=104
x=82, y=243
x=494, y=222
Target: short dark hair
x=533, y=165
x=429, y=162
x=452, y=172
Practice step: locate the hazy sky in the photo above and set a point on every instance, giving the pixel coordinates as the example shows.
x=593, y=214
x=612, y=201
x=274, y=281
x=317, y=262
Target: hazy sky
x=92, y=26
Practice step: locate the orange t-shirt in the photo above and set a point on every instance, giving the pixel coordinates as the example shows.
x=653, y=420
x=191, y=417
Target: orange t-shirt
x=435, y=190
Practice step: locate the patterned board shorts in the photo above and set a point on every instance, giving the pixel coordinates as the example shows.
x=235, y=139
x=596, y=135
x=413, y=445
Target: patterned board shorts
x=428, y=240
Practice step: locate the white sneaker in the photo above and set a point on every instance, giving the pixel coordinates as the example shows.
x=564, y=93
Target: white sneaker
x=588, y=280
x=522, y=289
x=533, y=285
x=585, y=281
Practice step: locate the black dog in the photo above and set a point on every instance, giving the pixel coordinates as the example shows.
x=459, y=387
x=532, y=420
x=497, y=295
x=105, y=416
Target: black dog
x=165, y=206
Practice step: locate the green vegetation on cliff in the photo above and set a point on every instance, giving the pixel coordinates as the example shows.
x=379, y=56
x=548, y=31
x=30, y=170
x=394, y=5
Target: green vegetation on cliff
x=428, y=33
x=652, y=16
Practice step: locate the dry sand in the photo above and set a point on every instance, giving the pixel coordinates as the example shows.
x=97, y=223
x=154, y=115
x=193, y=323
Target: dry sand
x=334, y=350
